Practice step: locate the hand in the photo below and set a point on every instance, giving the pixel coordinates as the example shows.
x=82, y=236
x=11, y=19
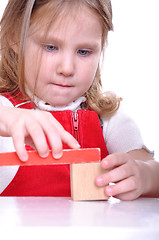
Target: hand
x=32, y=127
x=127, y=173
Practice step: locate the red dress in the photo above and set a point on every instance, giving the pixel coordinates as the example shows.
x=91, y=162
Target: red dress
x=54, y=180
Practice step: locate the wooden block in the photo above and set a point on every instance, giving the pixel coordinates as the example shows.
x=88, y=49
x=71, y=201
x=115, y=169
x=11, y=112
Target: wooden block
x=83, y=185
x=69, y=156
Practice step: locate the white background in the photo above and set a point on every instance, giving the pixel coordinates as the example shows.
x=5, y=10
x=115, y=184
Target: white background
x=131, y=66
x=131, y=62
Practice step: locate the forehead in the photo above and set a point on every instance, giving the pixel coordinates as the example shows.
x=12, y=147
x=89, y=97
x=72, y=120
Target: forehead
x=67, y=16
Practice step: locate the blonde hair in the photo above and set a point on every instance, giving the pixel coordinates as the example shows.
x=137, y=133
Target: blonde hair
x=17, y=18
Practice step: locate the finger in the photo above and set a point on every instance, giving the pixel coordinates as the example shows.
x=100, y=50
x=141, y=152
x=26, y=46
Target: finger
x=55, y=141
x=38, y=138
x=55, y=144
x=66, y=137
x=18, y=141
x=70, y=140
x=132, y=195
x=56, y=134
x=123, y=187
x=114, y=160
x=53, y=135
x=115, y=175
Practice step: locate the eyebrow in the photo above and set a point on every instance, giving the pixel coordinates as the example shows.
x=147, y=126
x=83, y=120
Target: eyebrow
x=92, y=45
x=84, y=44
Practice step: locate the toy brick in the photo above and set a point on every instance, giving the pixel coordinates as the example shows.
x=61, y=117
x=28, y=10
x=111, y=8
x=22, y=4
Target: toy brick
x=69, y=156
x=83, y=185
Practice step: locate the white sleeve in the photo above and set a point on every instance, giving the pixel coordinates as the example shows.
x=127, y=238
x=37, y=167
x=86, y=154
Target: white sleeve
x=6, y=145
x=121, y=133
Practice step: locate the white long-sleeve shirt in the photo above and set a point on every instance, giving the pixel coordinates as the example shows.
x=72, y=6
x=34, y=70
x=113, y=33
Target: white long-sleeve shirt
x=120, y=132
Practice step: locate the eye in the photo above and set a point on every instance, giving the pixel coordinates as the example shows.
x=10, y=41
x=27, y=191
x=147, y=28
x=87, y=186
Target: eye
x=49, y=47
x=83, y=52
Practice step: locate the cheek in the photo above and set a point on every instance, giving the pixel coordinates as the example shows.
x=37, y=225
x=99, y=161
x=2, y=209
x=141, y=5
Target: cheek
x=29, y=68
x=32, y=63
x=86, y=79
x=90, y=72
x=33, y=73
x=30, y=75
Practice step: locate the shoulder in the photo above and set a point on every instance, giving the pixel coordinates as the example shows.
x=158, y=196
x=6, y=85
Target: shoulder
x=121, y=133
x=118, y=119
x=5, y=101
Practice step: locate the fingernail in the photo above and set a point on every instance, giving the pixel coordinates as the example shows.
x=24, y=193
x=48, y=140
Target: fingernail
x=104, y=164
x=99, y=181
x=109, y=191
x=57, y=155
x=76, y=145
x=44, y=155
x=24, y=158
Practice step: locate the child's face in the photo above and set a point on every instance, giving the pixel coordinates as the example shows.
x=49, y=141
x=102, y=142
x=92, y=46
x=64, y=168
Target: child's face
x=64, y=62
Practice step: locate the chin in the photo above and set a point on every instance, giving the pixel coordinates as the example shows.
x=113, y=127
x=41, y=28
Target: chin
x=59, y=104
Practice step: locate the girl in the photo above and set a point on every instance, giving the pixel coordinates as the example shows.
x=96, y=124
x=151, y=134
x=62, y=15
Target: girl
x=50, y=57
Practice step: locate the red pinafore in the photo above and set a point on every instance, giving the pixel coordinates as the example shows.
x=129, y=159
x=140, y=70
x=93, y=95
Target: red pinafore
x=54, y=180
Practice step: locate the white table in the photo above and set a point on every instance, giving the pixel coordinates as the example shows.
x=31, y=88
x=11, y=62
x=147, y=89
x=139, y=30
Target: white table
x=137, y=219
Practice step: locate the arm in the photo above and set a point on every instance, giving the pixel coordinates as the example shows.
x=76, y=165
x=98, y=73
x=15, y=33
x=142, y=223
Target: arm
x=150, y=168
x=134, y=172
x=153, y=179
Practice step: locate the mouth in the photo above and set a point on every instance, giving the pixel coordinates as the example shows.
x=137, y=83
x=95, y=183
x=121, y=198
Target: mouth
x=62, y=85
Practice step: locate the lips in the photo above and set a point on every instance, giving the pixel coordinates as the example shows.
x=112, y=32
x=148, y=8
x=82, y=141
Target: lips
x=62, y=85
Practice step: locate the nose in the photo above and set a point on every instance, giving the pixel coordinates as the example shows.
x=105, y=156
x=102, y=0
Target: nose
x=66, y=65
